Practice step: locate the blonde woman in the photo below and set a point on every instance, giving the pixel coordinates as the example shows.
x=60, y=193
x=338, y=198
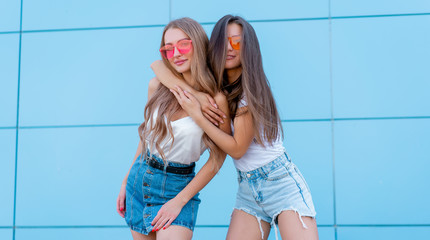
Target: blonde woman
x=159, y=194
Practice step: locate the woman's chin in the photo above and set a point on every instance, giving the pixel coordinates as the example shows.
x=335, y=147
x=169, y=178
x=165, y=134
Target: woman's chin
x=181, y=69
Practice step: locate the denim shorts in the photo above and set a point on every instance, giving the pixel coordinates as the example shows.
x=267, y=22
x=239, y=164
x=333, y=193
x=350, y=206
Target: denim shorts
x=273, y=188
x=149, y=188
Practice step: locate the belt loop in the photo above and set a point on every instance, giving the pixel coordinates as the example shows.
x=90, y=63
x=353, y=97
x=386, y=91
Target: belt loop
x=165, y=166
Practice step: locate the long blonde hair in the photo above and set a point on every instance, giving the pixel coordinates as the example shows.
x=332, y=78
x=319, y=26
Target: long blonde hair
x=165, y=102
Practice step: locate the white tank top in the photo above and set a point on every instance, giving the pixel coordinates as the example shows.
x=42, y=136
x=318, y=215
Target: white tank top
x=257, y=155
x=188, y=144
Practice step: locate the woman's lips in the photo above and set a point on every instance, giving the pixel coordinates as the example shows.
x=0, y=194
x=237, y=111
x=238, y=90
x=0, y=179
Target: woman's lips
x=180, y=62
x=230, y=57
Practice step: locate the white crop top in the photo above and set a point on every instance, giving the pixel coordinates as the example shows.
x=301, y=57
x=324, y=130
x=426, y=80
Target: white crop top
x=257, y=155
x=188, y=144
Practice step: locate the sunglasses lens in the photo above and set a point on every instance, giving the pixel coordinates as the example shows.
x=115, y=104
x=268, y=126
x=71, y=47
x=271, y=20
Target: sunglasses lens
x=235, y=42
x=167, y=51
x=184, y=46
x=236, y=46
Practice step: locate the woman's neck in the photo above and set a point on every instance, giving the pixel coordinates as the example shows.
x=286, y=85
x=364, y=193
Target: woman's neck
x=234, y=74
x=188, y=78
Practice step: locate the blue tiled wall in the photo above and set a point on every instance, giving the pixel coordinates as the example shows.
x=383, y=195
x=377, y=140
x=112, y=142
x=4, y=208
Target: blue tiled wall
x=10, y=12
x=351, y=80
x=9, y=60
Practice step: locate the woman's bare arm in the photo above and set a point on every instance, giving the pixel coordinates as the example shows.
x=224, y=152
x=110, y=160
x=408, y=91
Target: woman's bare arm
x=236, y=145
x=208, y=104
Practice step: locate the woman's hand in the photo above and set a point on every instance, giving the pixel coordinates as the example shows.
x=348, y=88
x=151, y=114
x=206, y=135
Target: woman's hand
x=210, y=109
x=120, y=201
x=188, y=102
x=167, y=214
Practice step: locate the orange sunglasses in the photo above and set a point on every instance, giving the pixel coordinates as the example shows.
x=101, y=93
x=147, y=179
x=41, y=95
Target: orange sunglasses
x=235, y=42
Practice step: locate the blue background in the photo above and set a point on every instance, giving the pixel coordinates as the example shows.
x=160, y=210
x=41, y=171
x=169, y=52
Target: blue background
x=351, y=79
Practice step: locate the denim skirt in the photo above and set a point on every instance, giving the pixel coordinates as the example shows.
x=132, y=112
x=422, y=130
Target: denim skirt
x=149, y=188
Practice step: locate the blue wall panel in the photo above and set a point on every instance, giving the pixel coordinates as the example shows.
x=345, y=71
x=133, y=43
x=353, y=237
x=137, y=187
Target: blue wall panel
x=217, y=233
x=377, y=233
x=86, y=77
x=382, y=170
x=6, y=234
x=309, y=146
x=381, y=67
x=10, y=12
x=212, y=11
x=326, y=233
x=208, y=29
x=296, y=61
x=7, y=175
x=376, y=7
x=220, y=193
x=9, y=54
x=60, y=14
x=210, y=233
x=73, y=234
x=72, y=175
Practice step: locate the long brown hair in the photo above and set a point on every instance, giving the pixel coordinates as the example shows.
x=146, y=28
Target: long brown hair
x=252, y=82
x=164, y=102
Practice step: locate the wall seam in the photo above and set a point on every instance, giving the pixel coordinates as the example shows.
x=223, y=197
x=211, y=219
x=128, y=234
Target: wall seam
x=284, y=121
x=332, y=116
x=211, y=23
x=17, y=125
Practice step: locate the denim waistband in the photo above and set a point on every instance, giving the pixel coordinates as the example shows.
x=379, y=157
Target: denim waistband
x=168, y=163
x=266, y=169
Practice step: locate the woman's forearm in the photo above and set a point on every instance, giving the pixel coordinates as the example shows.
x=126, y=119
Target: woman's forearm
x=224, y=141
x=167, y=78
x=202, y=178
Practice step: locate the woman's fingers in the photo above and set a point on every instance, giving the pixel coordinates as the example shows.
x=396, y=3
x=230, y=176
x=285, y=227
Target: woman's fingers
x=160, y=223
x=208, y=117
x=212, y=101
x=120, y=206
x=190, y=96
x=181, y=93
x=218, y=112
x=216, y=116
x=155, y=220
x=168, y=223
x=176, y=96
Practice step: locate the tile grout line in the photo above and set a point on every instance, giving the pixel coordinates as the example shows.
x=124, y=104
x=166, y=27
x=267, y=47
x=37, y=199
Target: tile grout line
x=284, y=121
x=209, y=23
x=81, y=126
x=214, y=226
x=17, y=125
x=332, y=116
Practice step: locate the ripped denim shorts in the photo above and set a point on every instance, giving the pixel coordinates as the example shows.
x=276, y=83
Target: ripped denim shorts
x=273, y=188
